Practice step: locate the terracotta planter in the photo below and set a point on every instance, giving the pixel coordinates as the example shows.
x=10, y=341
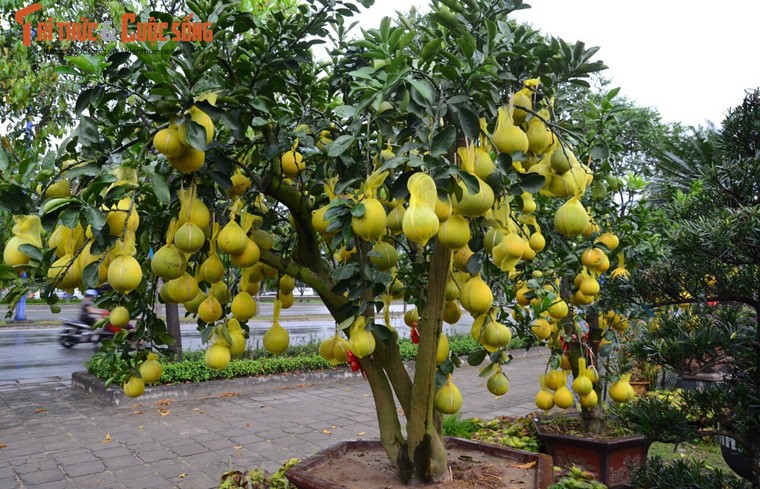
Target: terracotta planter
x=609, y=460
x=640, y=387
x=699, y=381
x=301, y=476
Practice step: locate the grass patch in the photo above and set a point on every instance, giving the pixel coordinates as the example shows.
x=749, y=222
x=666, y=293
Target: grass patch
x=705, y=451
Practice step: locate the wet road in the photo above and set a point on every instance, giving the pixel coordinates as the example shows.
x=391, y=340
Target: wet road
x=29, y=353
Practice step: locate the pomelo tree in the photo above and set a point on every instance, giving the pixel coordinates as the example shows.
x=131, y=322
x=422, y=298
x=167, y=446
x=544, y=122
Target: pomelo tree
x=423, y=159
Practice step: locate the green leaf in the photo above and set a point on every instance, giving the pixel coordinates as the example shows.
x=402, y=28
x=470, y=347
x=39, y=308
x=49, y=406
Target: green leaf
x=31, y=251
x=7, y=273
x=4, y=161
x=358, y=210
x=475, y=264
x=346, y=322
x=469, y=123
x=94, y=217
x=447, y=367
x=161, y=189
x=600, y=152
x=339, y=146
x=84, y=63
x=382, y=332
x=476, y=358
x=423, y=88
x=443, y=141
x=90, y=275
x=531, y=182
x=195, y=134
x=487, y=371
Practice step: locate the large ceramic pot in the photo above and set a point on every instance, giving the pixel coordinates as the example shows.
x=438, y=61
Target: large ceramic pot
x=609, y=460
x=735, y=458
x=311, y=473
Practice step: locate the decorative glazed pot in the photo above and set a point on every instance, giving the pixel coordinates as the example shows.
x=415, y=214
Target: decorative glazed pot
x=610, y=460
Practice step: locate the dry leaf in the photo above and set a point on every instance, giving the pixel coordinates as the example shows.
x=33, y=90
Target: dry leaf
x=137, y=412
x=301, y=385
x=248, y=425
x=229, y=394
x=333, y=426
x=529, y=465
x=365, y=395
x=165, y=412
x=182, y=475
x=108, y=438
x=140, y=427
x=3, y=445
x=199, y=410
x=238, y=447
x=361, y=433
x=327, y=432
x=40, y=410
x=164, y=402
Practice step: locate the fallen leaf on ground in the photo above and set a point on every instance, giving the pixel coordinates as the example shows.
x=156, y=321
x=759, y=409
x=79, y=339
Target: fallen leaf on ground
x=165, y=412
x=333, y=426
x=238, y=447
x=137, y=412
x=529, y=465
x=40, y=410
x=108, y=438
x=199, y=410
x=327, y=432
x=182, y=475
x=140, y=427
x=3, y=445
x=248, y=425
x=361, y=433
x=164, y=402
x=229, y=394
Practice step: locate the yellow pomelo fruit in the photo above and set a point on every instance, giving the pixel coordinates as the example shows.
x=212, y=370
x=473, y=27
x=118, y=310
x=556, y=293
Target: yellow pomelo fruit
x=420, y=224
x=589, y=400
x=193, y=304
x=232, y=239
x=582, y=385
x=248, y=257
x=287, y=284
x=498, y=384
x=541, y=328
x=240, y=184
x=371, y=225
x=189, y=238
x=191, y=160
x=492, y=238
x=124, y=273
x=287, y=300
x=263, y=239
x=11, y=254
x=510, y=139
x=168, y=262
x=555, y=379
x=448, y=399
x=210, y=310
x=243, y=306
x=452, y=312
x=237, y=347
x=571, y=218
x=117, y=217
x=589, y=287
x=395, y=219
x=199, y=214
x=411, y=317
x=134, y=387
x=59, y=189
x=182, y=289
x=276, y=339
x=609, y=240
x=563, y=398
x=537, y=241
x=199, y=117
x=292, y=164
x=119, y=316
x=454, y=233
x=443, y=209
x=495, y=336
x=592, y=257
x=217, y=356
x=384, y=256
x=211, y=270
x=476, y=296
x=318, y=221
x=362, y=342
x=442, y=350
x=562, y=160
x=544, y=400
x=461, y=257
x=452, y=290
x=474, y=204
x=167, y=142
x=558, y=309
x=151, y=369
x=483, y=164
x=620, y=392
x=221, y=292
x=521, y=101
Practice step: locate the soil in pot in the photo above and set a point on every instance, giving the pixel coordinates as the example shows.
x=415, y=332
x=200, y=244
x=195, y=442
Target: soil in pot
x=367, y=466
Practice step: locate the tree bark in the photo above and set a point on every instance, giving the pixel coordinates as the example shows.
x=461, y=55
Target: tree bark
x=425, y=444
x=172, y=327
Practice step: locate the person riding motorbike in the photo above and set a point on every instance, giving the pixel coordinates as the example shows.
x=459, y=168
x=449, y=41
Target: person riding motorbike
x=89, y=314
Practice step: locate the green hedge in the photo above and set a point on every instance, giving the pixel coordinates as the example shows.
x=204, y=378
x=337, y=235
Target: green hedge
x=260, y=362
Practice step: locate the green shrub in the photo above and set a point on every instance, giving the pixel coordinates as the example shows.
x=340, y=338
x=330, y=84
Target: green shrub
x=683, y=474
x=576, y=478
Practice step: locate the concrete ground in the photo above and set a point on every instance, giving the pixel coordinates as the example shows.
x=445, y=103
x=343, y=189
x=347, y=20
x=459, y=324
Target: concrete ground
x=55, y=436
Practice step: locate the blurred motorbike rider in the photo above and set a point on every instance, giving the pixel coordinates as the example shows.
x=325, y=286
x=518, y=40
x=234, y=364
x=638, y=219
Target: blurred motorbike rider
x=89, y=314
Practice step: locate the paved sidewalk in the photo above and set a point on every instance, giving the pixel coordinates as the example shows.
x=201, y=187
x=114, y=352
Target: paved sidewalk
x=54, y=436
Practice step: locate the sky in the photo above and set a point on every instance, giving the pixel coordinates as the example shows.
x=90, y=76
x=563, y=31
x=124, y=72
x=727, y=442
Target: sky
x=690, y=59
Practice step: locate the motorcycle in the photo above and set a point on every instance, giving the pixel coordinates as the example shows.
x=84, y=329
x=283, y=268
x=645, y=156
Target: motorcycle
x=75, y=332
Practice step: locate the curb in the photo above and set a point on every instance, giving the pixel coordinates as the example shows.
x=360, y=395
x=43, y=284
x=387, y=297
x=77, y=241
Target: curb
x=210, y=388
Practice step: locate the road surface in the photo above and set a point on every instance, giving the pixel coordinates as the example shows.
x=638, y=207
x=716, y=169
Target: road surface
x=29, y=353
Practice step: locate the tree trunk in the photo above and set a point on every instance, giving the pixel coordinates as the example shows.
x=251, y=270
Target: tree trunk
x=755, y=449
x=592, y=418
x=172, y=327
x=425, y=443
